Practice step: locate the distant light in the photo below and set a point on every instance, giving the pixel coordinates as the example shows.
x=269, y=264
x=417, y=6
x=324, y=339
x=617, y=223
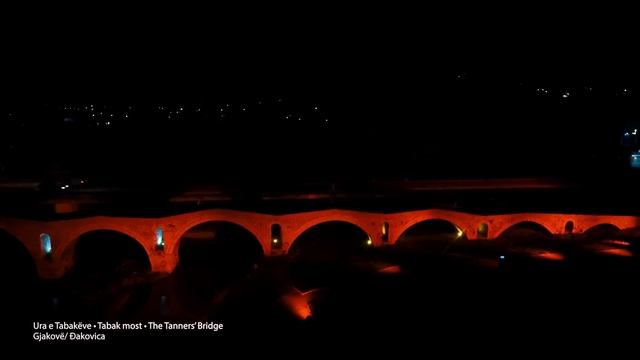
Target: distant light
x=635, y=160
x=460, y=233
x=626, y=134
x=108, y=123
x=275, y=240
x=315, y=108
x=501, y=257
x=635, y=131
x=369, y=242
x=566, y=95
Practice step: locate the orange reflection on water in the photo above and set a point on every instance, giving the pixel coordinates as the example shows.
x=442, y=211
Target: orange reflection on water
x=618, y=242
x=547, y=255
x=394, y=269
x=616, y=251
x=298, y=303
x=610, y=250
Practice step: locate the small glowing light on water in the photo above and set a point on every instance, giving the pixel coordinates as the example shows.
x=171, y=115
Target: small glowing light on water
x=618, y=242
x=548, y=255
x=616, y=252
x=393, y=269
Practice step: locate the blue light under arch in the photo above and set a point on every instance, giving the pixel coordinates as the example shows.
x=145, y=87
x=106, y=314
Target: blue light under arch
x=45, y=242
x=159, y=239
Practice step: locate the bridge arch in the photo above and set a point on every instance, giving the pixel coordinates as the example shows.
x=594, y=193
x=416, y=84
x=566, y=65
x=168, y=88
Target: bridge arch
x=107, y=250
x=527, y=225
x=67, y=242
x=174, y=248
x=313, y=224
x=602, y=230
x=526, y=233
x=320, y=252
x=402, y=222
x=433, y=235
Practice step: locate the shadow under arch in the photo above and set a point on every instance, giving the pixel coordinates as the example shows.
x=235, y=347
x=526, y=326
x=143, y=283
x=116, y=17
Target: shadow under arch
x=213, y=258
x=18, y=266
x=105, y=253
x=19, y=301
x=431, y=236
x=108, y=275
x=218, y=246
x=525, y=233
x=601, y=231
x=323, y=254
x=330, y=237
x=195, y=226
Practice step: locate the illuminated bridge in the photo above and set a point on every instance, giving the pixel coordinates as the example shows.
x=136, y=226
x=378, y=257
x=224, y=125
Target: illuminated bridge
x=52, y=244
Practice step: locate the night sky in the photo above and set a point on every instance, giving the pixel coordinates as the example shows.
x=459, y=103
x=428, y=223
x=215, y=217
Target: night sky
x=354, y=96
